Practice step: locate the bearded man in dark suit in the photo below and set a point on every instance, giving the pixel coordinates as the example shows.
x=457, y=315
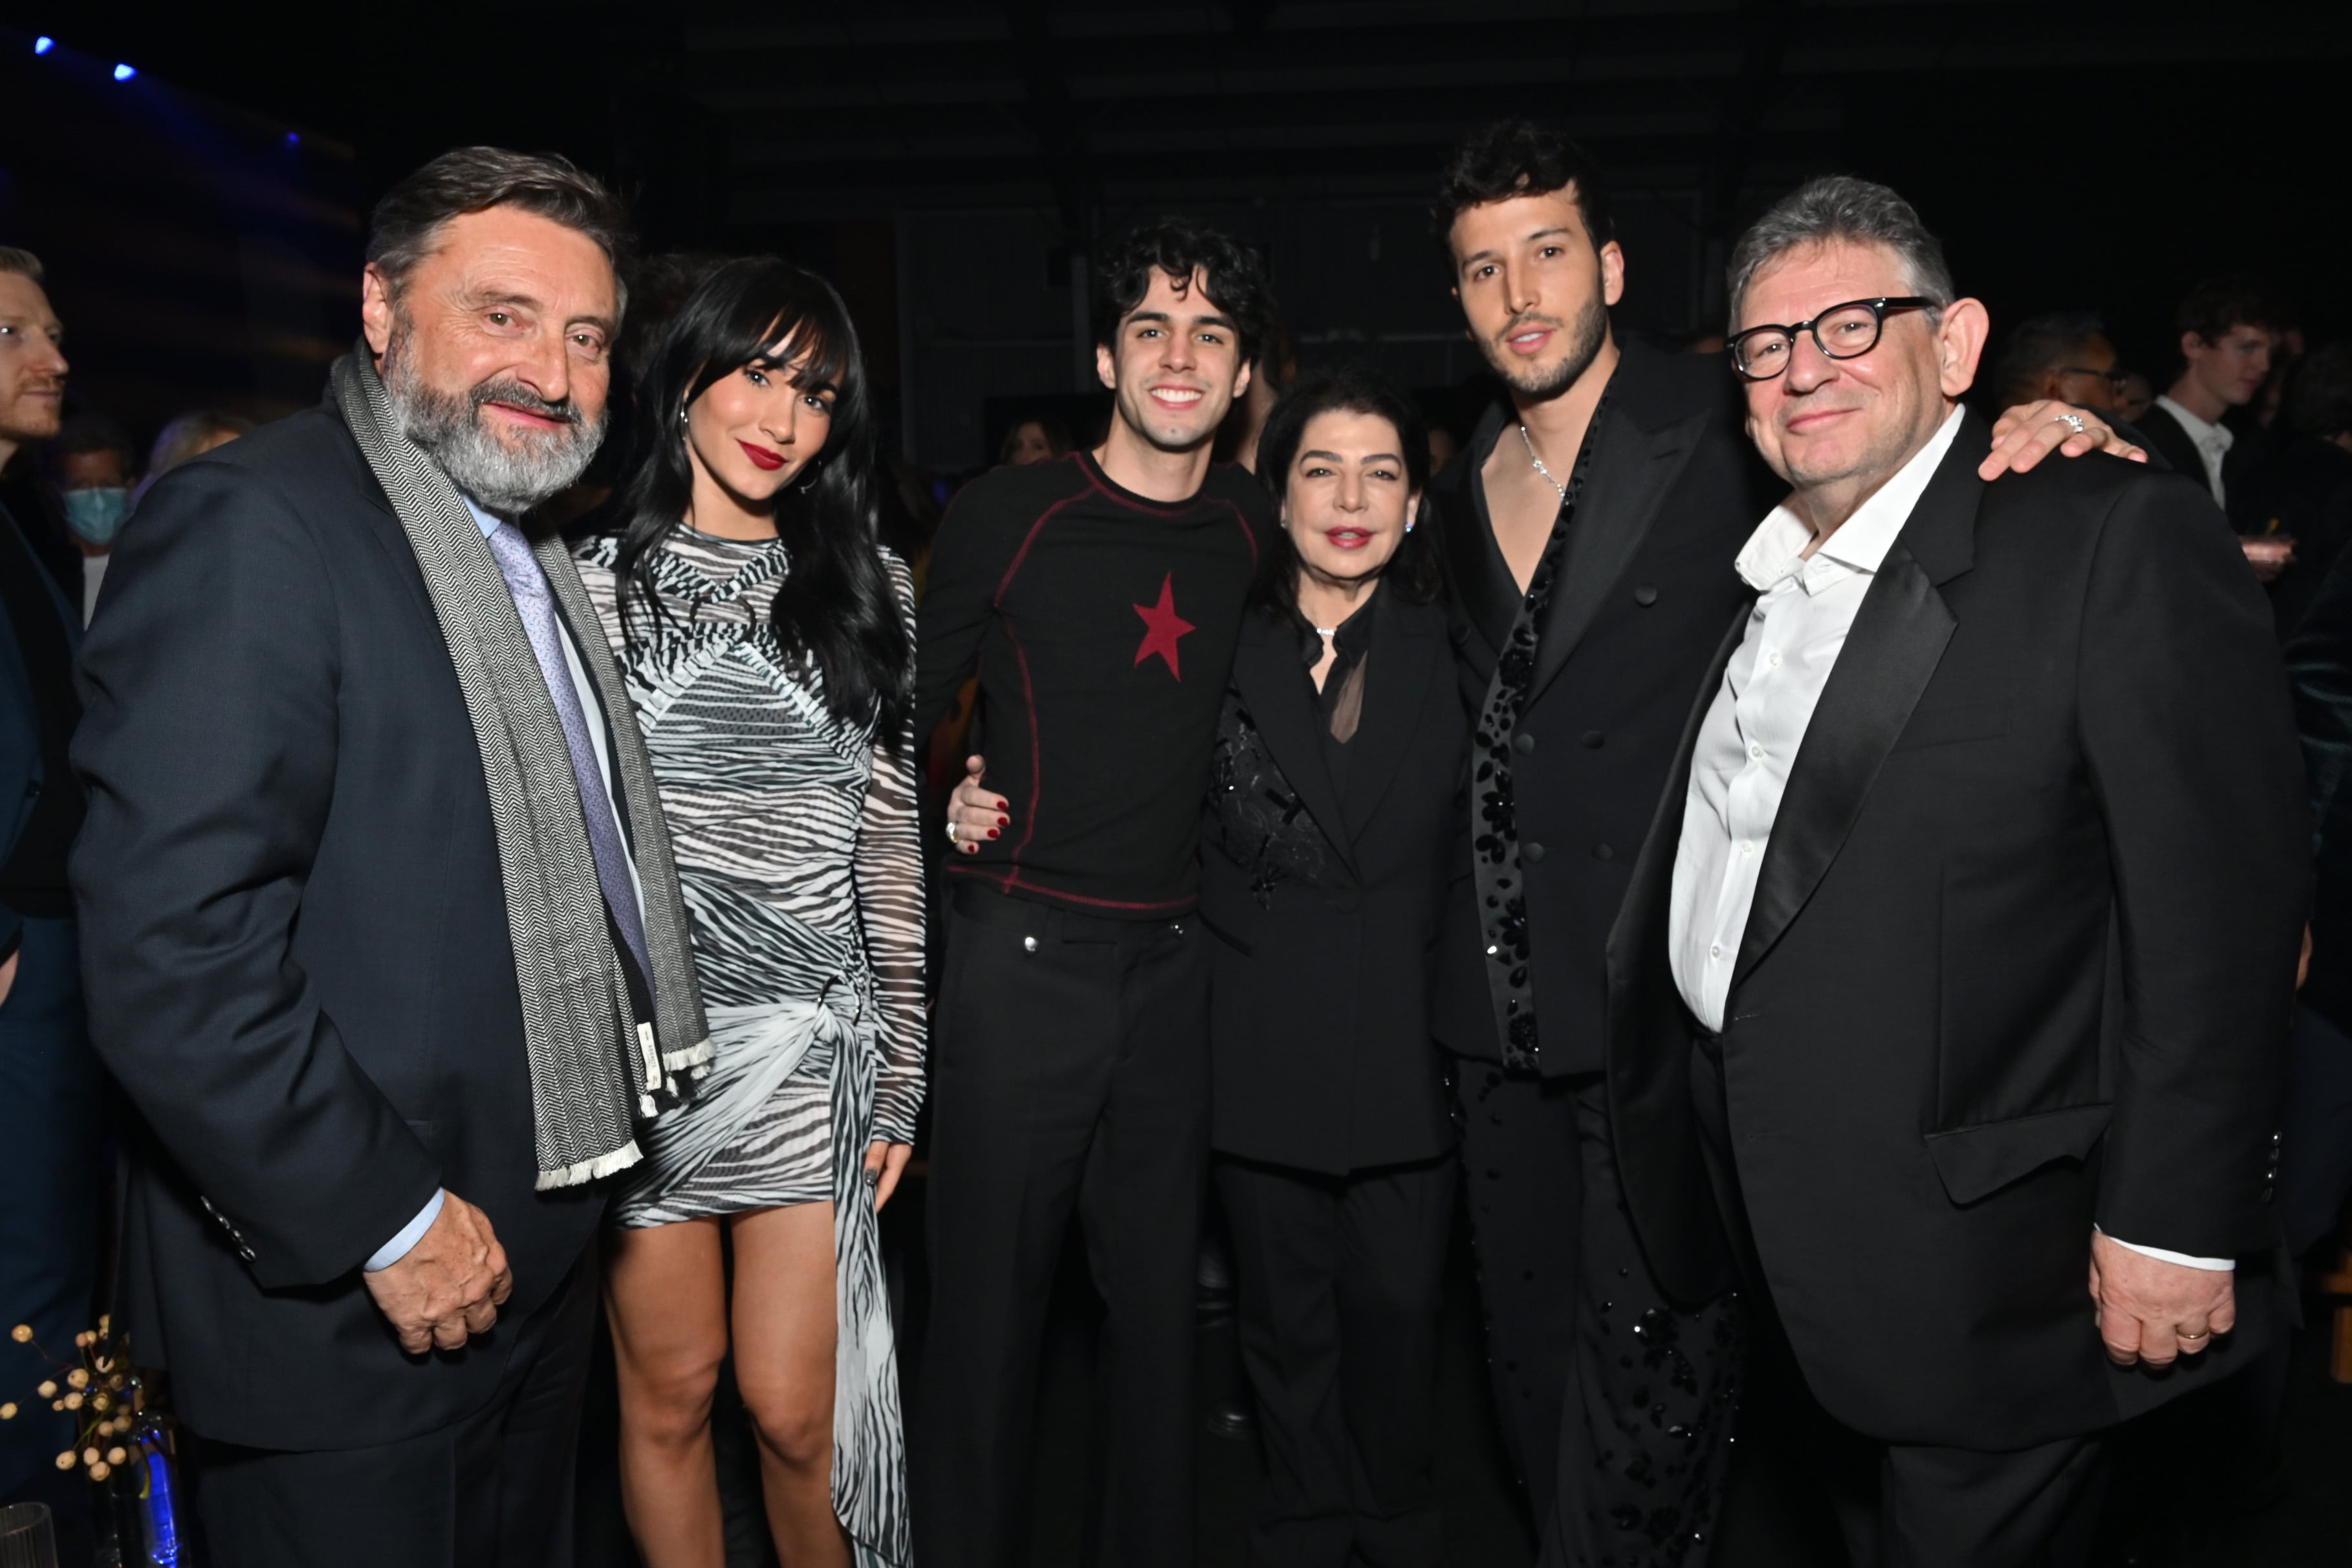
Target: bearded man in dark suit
x=379, y=893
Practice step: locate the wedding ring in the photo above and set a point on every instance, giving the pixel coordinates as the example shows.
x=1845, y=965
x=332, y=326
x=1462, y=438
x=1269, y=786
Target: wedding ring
x=2075, y=420
x=2199, y=1335
x=951, y=832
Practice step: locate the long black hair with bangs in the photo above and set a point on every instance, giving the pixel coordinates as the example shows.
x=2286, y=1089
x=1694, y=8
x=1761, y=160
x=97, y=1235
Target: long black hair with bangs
x=836, y=607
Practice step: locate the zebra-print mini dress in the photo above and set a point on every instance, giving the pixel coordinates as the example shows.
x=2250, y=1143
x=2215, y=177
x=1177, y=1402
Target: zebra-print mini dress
x=796, y=840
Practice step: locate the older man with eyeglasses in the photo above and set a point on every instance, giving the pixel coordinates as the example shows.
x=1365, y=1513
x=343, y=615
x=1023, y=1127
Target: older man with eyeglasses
x=1956, y=972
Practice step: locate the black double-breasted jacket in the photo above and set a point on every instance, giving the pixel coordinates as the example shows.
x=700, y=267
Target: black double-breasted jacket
x=1646, y=584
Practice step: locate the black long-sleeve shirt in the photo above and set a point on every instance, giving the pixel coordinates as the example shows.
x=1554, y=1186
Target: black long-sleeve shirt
x=1102, y=627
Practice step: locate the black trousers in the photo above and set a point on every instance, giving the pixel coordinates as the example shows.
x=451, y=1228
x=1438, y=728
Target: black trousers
x=493, y=1490
x=1340, y=1278
x=1616, y=1404
x=1070, y=1072
x=1898, y=1505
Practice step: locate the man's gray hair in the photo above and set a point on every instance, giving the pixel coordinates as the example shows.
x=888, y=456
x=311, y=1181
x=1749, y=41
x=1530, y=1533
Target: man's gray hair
x=407, y=224
x=24, y=263
x=1838, y=207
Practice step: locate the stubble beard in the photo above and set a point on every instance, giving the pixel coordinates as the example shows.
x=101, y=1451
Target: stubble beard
x=504, y=479
x=1586, y=334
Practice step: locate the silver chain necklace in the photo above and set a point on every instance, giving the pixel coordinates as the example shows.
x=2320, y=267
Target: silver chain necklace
x=1538, y=462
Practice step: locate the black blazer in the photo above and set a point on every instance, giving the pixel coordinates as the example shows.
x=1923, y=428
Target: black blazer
x=294, y=938
x=1647, y=581
x=1327, y=904
x=2162, y=435
x=2020, y=962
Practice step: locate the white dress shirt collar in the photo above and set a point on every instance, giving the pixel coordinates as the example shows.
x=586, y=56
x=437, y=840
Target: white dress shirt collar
x=2212, y=443
x=1776, y=549
x=2219, y=437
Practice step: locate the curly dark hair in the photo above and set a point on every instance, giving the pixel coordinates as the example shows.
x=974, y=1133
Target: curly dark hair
x=1233, y=278
x=1520, y=158
x=1413, y=571
x=836, y=606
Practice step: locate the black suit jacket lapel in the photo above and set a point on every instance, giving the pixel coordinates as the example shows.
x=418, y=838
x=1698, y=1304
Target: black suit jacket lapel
x=1407, y=652
x=1481, y=582
x=1898, y=639
x=1633, y=470
x=1630, y=955
x=1273, y=683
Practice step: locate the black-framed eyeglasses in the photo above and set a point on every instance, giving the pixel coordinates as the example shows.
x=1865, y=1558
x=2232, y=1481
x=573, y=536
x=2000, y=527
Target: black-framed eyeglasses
x=1842, y=331
x=2114, y=378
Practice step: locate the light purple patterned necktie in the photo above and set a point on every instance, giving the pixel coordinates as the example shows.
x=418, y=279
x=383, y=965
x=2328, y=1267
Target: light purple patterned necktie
x=536, y=606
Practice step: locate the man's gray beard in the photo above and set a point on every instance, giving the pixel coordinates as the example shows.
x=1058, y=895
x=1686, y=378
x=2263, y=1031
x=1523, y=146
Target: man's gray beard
x=507, y=481
x=1588, y=332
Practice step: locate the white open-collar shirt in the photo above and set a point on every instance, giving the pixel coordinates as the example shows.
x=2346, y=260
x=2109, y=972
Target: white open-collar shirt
x=1805, y=606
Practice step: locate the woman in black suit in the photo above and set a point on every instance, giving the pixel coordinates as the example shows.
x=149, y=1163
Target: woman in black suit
x=1334, y=828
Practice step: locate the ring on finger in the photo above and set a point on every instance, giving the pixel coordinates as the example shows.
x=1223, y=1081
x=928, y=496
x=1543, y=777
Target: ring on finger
x=2199, y=1335
x=2072, y=420
x=952, y=831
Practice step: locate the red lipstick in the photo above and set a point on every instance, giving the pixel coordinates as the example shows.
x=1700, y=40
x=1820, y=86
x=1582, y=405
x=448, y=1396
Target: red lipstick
x=761, y=458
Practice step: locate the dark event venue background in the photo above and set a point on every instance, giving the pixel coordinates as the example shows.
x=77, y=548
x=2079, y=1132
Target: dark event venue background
x=951, y=167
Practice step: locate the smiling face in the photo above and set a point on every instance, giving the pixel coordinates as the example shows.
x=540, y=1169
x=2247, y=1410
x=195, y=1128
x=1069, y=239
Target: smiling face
x=757, y=429
x=1534, y=291
x=32, y=365
x=495, y=349
x=1346, y=497
x=2233, y=367
x=1175, y=365
x=1843, y=426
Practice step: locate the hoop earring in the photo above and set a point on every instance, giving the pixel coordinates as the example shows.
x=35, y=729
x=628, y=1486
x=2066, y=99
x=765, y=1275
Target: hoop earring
x=809, y=483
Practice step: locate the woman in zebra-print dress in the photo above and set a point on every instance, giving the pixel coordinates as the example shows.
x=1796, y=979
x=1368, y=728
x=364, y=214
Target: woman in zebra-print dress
x=767, y=643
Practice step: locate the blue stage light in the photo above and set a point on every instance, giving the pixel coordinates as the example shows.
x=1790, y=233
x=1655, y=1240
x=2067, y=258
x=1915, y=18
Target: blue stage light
x=42, y=45
x=124, y=73
x=293, y=139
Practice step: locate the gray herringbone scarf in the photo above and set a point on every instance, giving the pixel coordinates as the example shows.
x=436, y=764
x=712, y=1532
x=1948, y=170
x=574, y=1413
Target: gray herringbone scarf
x=593, y=1070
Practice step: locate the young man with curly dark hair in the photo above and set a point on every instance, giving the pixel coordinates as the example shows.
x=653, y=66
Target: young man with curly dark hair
x=1097, y=596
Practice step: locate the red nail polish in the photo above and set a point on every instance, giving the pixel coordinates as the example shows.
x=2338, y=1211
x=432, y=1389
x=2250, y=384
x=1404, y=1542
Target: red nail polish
x=992, y=833
x=1003, y=822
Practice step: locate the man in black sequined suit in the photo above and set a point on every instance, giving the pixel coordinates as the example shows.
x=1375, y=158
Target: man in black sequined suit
x=1587, y=531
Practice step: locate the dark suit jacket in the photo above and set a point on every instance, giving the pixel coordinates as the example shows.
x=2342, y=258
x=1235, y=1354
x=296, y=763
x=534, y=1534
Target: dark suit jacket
x=1644, y=588
x=295, y=940
x=21, y=779
x=1326, y=903
x=2020, y=962
x=2161, y=434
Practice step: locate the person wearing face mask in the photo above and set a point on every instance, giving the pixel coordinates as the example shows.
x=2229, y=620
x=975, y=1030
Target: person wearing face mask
x=92, y=466
x=767, y=638
x=1333, y=836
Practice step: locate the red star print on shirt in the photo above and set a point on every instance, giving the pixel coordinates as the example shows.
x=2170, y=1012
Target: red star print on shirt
x=1163, y=626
